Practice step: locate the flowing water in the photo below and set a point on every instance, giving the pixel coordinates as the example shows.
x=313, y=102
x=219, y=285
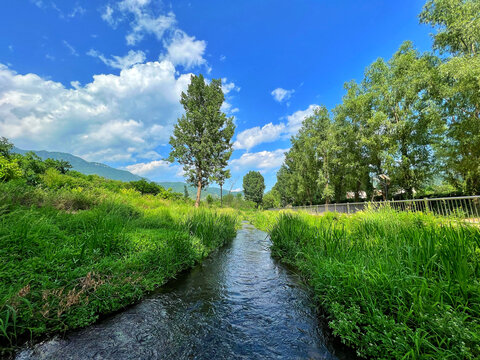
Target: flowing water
x=238, y=304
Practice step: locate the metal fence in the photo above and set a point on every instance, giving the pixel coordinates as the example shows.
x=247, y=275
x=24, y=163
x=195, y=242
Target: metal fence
x=465, y=207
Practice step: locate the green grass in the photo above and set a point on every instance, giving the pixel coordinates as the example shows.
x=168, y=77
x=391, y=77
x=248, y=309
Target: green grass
x=68, y=256
x=394, y=285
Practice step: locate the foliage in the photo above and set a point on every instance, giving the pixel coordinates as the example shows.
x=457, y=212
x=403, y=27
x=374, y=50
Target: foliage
x=201, y=139
x=458, y=35
x=271, y=200
x=9, y=169
x=237, y=202
x=395, y=285
x=253, y=187
x=5, y=148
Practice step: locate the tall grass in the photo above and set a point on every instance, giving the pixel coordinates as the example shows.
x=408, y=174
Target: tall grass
x=395, y=285
x=62, y=265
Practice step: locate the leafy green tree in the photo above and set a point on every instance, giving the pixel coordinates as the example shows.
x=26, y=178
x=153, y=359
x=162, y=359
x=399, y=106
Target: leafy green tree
x=5, y=147
x=457, y=23
x=253, y=187
x=145, y=187
x=271, y=200
x=186, y=195
x=32, y=167
x=358, y=149
x=458, y=34
x=285, y=186
x=209, y=199
x=406, y=117
x=62, y=166
x=201, y=139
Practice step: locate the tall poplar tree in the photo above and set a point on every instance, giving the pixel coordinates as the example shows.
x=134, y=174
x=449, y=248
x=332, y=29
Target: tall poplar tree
x=201, y=139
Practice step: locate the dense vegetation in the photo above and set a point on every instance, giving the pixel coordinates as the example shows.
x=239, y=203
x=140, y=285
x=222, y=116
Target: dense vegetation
x=395, y=285
x=410, y=127
x=73, y=247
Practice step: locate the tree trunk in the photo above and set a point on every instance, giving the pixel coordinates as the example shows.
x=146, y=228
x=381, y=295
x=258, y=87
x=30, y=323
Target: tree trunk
x=221, y=195
x=199, y=192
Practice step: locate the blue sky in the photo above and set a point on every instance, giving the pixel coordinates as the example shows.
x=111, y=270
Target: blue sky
x=102, y=79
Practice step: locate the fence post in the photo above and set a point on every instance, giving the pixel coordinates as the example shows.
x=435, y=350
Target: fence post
x=348, y=208
x=426, y=205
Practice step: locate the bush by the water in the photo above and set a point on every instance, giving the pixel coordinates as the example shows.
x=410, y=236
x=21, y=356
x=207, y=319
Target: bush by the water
x=73, y=248
x=394, y=285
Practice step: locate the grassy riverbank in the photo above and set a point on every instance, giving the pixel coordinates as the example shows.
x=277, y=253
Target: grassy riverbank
x=395, y=285
x=70, y=253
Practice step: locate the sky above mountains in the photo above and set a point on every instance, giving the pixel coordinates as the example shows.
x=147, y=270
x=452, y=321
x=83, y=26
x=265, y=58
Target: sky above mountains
x=102, y=79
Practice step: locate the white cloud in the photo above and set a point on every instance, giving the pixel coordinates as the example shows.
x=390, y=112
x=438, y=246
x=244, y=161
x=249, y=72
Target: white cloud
x=229, y=86
x=270, y=132
x=228, y=108
x=180, y=48
x=185, y=50
x=156, y=166
x=295, y=120
x=249, y=138
x=281, y=95
x=108, y=16
x=120, y=62
x=113, y=118
x=263, y=160
x=72, y=50
x=142, y=19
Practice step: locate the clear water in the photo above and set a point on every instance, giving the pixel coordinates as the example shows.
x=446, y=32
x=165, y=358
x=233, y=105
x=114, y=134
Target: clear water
x=238, y=304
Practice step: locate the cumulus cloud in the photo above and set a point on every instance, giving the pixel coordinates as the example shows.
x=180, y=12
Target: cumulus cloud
x=145, y=19
x=263, y=160
x=113, y=118
x=185, y=50
x=249, y=138
x=120, y=62
x=281, y=95
x=257, y=135
x=149, y=168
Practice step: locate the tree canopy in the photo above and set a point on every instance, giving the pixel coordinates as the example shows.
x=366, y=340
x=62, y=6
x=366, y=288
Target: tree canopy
x=253, y=187
x=201, y=139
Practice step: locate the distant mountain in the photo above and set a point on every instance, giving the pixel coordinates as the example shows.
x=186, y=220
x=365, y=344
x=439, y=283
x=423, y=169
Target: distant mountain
x=192, y=191
x=85, y=167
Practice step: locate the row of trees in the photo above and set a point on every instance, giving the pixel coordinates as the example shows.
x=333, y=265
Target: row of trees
x=412, y=121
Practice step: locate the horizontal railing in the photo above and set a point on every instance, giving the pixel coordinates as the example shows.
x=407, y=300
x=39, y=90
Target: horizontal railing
x=466, y=207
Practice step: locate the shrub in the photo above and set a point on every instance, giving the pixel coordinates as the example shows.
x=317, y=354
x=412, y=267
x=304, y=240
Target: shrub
x=9, y=169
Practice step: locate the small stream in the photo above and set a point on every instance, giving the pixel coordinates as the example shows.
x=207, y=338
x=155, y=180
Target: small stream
x=238, y=304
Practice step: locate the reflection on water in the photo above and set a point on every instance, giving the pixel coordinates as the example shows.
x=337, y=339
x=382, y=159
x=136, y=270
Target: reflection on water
x=238, y=304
